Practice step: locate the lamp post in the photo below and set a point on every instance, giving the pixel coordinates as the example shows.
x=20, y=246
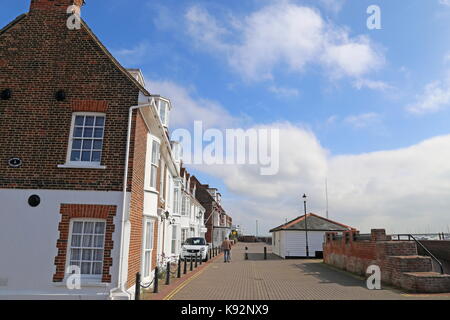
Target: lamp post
x=306, y=226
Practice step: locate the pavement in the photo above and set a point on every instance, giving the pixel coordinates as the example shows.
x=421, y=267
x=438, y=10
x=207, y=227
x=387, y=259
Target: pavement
x=276, y=279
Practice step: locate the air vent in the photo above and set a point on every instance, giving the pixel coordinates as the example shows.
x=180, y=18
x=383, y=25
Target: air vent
x=6, y=94
x=60, y=95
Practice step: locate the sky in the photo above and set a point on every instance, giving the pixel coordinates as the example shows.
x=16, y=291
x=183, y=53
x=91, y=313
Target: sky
x=367, y=110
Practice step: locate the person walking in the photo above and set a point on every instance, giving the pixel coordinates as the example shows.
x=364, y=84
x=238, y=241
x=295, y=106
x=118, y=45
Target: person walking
x=226, y=246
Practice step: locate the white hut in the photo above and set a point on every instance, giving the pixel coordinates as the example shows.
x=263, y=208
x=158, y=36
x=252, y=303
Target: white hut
x=289, y=239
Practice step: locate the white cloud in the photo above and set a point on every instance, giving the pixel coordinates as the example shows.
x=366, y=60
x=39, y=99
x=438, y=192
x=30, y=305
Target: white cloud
x=204, y=28
x=447, y=57
x=332, y=5
x=445, y=2
x=133, y=56
x=362, y=120
x=435, y=97
x=283, y=34
x=187, y=109
x=404, y=190
x=284, y=92
x=332, y=119
x=371, y=84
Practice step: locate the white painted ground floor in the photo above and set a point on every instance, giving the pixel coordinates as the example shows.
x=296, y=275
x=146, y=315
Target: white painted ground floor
x=29, y=237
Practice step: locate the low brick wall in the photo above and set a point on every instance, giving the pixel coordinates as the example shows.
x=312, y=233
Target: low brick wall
x=357, y=256
x=440, y=249
x=399, y=261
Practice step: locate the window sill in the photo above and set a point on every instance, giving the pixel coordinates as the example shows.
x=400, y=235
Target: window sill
x=151, y=190
x=81, y=166
x=86, y=283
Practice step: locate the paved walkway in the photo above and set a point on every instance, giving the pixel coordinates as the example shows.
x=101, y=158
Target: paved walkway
x=277, y=279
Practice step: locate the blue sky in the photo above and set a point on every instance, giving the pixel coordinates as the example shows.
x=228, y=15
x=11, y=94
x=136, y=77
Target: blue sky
x=211, y=55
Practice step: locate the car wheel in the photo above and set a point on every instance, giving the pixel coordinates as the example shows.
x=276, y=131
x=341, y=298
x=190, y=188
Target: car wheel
x=206, y=258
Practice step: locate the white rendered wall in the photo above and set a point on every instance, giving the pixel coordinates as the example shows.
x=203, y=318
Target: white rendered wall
x=28, y=239
x=296, y=243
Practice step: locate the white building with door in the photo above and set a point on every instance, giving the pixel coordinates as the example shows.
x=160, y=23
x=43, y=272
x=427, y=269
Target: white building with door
x=289, y=239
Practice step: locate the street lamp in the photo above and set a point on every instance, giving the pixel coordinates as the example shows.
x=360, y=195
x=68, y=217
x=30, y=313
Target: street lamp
x=306, y=226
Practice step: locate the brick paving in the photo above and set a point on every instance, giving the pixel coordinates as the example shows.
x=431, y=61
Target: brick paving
x=277, y=279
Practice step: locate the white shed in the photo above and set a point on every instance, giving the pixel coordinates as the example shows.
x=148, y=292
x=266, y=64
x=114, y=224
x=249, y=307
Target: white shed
x=289, y=239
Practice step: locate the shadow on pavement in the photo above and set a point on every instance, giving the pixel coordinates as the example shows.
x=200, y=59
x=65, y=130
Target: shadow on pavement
x=260, y=256
x=326, y=275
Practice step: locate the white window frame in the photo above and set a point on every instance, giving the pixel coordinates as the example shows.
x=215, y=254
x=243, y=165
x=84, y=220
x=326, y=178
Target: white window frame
x=175, y=240
x=150, y=165
x=164, y=122
x=186, y=234
x=153, y=222
x=176, y=198
x=162, y=180
x=83, y=164
x=90, y=278
x=183, y=205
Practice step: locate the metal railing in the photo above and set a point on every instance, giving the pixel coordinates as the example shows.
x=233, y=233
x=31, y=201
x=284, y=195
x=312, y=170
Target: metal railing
x=410, y=236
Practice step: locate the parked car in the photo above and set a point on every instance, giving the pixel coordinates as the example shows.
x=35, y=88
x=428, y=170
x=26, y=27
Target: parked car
x=195, y=246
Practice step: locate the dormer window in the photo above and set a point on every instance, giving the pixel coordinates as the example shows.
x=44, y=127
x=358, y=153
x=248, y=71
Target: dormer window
x=163, y=110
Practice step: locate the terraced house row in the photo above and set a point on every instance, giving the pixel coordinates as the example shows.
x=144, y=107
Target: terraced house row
x=90, y=181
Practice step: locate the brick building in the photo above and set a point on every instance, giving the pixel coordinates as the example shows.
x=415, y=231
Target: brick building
x=88, y=171
x=217, y=222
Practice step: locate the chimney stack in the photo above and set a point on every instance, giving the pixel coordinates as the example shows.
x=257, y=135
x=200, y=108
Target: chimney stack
x=54, y=5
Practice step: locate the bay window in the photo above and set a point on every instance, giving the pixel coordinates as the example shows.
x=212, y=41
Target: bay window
x=183, y=206
x=174, y=239
x=153, y=162
x=176, y=198
x=164, y=112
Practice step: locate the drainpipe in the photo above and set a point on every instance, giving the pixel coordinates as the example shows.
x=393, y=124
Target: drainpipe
x=120, y=282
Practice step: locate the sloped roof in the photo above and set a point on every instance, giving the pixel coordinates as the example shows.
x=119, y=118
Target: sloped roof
x=12, y=23
x=99, y=44
x=314, y=222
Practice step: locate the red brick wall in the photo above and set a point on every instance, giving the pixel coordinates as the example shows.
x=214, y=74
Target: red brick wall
x=357, y=256
x=137, y=196
x=72, y=211
x=399, y=262
x=59, y=5
x=39, y=56
x=155, y=245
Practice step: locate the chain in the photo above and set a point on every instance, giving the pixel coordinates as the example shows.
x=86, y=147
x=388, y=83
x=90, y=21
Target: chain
x=148, y=285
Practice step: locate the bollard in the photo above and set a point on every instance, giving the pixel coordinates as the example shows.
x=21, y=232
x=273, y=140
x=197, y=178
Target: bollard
x=201, y=259
x=210, y=256
x=168, y=274
x=246, y=253
x=265, y=253
x=137, y=289
x=155, y=286
x=179, y=268
x=196, y=260
x=185, y=265
x=192, y=263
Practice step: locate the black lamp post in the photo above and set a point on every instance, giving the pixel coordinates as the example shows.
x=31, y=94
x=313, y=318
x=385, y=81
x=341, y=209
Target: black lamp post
x=306, y=226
